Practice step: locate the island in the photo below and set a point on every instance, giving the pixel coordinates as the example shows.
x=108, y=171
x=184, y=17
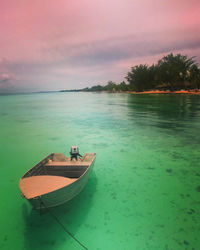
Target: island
x=177, y=74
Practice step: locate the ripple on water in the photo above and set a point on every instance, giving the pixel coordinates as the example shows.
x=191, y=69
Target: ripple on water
x=144, y=188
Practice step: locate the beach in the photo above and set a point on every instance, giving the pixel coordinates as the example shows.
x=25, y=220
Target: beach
x=189, y=92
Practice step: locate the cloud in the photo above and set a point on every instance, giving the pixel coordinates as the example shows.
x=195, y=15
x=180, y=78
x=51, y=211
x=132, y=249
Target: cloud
x=70, y=44
x=107, y=51
x=6, y=83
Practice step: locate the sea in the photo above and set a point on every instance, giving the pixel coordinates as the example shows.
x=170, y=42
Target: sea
x=144, y=191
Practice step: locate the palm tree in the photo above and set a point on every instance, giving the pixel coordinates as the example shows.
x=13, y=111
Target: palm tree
x=194, y=76
x=142, y=77
x=173, y=70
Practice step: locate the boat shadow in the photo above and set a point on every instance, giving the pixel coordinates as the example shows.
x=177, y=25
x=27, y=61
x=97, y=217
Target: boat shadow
x=42, y=231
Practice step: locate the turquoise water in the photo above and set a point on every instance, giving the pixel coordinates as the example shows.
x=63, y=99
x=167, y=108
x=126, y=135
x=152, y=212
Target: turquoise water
x=144, y=192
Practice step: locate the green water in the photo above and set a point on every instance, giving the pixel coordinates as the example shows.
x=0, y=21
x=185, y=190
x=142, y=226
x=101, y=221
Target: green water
x=144, y=192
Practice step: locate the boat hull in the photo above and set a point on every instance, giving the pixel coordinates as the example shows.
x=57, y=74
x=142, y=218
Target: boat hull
x=61, y=195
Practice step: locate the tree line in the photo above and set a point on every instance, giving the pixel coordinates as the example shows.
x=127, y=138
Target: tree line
x=172, y=72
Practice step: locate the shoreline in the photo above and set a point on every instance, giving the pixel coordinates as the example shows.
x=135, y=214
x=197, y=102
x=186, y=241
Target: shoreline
x=190, y=92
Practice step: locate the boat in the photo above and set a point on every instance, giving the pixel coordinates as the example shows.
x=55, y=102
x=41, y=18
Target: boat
x=56, y=179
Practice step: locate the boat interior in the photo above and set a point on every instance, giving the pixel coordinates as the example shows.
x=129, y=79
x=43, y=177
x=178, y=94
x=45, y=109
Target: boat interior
x=57, y=164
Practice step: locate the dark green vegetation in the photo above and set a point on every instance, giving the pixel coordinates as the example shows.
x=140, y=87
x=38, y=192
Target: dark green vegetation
x=172, y=72
x=110, y=87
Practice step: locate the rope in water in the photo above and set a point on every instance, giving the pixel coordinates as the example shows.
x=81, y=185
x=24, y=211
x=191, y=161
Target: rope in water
x=64, y=228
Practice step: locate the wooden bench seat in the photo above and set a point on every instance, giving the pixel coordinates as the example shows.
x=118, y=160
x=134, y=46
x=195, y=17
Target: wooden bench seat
x=67, y=164
x=38, y=185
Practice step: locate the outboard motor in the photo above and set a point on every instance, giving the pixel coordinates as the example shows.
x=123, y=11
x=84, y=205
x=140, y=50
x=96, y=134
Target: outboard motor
x=74, y=153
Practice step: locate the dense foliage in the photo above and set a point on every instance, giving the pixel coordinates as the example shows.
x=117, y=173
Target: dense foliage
x=110, y=87
x=142, y=77
x=173, y=72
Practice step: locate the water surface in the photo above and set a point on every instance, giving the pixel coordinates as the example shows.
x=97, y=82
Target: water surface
x=144, y=192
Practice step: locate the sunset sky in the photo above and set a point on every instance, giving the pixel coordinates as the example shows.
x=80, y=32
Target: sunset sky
x=65, y=44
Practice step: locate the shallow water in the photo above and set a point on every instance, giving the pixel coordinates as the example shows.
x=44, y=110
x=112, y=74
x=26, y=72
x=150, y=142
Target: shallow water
x=144, y=192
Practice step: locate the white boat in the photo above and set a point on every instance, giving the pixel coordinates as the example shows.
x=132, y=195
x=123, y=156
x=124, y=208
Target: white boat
x=56, y=179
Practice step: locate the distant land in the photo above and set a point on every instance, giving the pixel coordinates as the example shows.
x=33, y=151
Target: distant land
x=171, y=74
x=26, y=93
x=72, y=90
x=193, y=92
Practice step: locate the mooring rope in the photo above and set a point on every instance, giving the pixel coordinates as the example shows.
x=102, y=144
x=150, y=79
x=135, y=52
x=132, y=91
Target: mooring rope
x=64, y=228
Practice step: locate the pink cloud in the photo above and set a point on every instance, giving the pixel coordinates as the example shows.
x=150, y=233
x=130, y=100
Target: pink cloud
x=66, y=43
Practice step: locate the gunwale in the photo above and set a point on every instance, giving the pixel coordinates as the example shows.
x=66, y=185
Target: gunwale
x=44, y=163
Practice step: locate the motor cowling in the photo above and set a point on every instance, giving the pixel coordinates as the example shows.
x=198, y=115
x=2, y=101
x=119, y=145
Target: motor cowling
x=74, y=152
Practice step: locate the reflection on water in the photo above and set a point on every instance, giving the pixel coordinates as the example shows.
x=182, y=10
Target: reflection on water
x=41, y=231
x=144, y=190
x=167, y=109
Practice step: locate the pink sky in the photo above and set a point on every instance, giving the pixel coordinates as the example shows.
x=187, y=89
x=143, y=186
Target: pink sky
x=53, y=45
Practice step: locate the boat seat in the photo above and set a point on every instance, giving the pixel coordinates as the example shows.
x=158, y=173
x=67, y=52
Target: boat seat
x=34, y=186
x=66, y=164
x=68, y=169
